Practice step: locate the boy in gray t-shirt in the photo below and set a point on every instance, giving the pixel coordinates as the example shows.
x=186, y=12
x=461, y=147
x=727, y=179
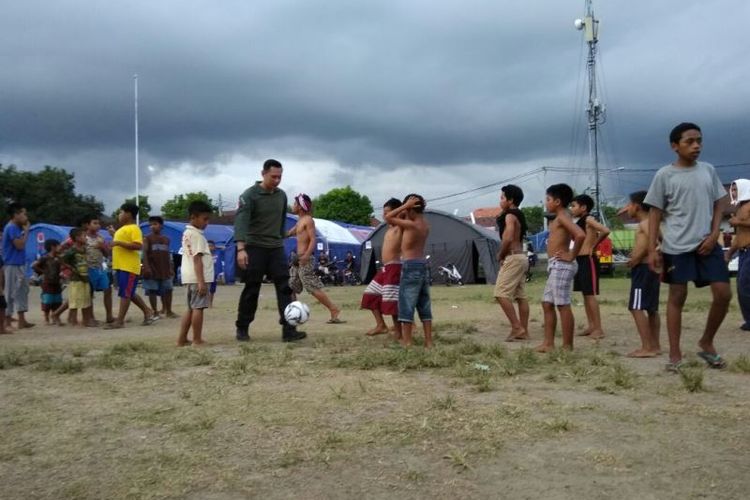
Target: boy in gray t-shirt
x=686, y=199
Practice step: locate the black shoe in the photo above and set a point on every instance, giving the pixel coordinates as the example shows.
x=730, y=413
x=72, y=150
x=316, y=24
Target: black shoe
x=293, y=336
x=242, y=335
x=745, y=327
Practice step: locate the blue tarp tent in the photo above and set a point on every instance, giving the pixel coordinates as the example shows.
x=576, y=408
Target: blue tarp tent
x=539, y=240
x=223, y=236
x=359, y=232
x=41, y=232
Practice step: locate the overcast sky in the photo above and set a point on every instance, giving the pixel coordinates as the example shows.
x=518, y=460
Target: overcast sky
x=389, y=96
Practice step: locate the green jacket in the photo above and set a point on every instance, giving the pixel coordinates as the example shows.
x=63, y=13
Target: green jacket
x=261, y=217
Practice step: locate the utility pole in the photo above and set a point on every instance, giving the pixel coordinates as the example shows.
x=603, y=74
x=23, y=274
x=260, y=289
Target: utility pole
x=595, y=110
x=137, y=187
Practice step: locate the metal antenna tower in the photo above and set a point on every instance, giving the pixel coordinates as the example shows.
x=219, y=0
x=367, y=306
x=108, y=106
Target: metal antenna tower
x=595, y=110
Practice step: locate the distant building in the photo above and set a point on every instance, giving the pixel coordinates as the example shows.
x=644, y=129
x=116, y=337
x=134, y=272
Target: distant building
x=484, y=217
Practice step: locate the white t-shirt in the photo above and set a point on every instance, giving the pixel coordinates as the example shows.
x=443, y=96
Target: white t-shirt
x=194, y=243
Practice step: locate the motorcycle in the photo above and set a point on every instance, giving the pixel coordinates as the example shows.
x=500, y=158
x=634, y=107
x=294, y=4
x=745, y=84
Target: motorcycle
x=450, y=274
x=329, y=273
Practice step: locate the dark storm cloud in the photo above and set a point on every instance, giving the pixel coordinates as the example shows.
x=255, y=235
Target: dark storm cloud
x=362, y=83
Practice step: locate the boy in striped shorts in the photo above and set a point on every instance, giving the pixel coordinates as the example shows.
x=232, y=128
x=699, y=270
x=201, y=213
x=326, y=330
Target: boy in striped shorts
x=644, y=283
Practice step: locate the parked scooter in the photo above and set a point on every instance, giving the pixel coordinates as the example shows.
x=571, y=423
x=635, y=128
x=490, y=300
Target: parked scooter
x=450, y=274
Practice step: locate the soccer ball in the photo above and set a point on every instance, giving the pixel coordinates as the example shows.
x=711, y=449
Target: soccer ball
x=296, y=313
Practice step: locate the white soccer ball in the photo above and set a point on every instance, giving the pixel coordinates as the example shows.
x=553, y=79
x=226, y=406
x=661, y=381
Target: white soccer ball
x=296, y=313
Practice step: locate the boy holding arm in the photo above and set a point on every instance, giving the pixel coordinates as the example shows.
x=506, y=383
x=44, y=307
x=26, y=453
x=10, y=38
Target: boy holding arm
x=685, y=199
x=197, y=272
x=644, y=283
x=561, y=267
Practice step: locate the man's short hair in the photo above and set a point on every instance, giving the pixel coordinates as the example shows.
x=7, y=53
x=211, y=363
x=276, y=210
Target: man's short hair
x=586, y=201
x=86, y=219
x=49, y=244
x=393, y=203
x=513, y=193
x=14, y=208
x=75, y=232
x=271, y=163
x=422, y=204
x=561, y=192
x=676, y=134
x=130, y=208
x=156, y=218
x=199, y=207
x=638, y=197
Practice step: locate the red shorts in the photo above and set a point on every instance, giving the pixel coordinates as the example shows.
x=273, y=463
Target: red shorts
x=382, y=292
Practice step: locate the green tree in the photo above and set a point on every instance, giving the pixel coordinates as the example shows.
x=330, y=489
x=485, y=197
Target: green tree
x=144, y=207
x=534, y=218
x=613, y=221
x=177, y=207
x=345, y=205
x=48, y=195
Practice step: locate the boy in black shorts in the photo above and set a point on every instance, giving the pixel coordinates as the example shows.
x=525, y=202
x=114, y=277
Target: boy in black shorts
x=644, y=283
x=687, y=196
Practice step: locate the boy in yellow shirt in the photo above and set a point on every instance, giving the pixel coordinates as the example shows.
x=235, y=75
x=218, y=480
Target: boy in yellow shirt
x=126, y=262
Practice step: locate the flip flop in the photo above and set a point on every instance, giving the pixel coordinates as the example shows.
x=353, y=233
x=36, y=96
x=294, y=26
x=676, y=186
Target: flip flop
x=674, y=367
x=712, y=360
x=335, y=321
x=150, y=321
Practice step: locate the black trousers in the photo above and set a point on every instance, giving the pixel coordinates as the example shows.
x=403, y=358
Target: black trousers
x=262, y=262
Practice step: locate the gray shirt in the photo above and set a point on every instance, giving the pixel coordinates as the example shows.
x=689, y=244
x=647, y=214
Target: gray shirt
x=686, y=196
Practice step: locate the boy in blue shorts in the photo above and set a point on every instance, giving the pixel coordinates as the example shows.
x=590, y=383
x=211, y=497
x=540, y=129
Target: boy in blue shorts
x=96, y=252
x=644, y=283
x=48, y=267
x=414, y=287
x=126, y=262
x=157, y=268
x=686, y=197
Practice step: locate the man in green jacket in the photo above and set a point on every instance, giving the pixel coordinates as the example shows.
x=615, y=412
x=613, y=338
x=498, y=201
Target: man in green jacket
x=259, y=233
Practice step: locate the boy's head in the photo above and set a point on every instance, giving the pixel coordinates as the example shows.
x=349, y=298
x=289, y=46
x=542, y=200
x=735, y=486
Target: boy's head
x=91, y=223
x=686, y=140
x=271, y=173
x=78, y=235
x=128, y=213
x=302, y=204
x=199, y=212
x=636, y=205
x=51, y=246
x=581, y=205
x=420, y=206
x=17, y=214
x=391, y=205
x=156, y=224
x=510, y=196
x=739, y=191
x=558, y=197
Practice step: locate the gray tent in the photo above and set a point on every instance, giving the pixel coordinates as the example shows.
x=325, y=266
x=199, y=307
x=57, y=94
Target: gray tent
x=471, y=248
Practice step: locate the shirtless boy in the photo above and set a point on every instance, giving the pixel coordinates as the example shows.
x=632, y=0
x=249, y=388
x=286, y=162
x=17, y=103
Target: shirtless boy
x=561, y=267
x=514, y=263
x=381, y=295
x=302, y=276
x=644, y=283
x=414, y=289
x=586, y=280
x=741, y=244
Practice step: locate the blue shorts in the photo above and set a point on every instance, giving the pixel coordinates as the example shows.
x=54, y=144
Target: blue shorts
x=414, y=292
x=127, y=283
x=700, y=269
x=98, y=279
x=644, y=289
x=157, y=287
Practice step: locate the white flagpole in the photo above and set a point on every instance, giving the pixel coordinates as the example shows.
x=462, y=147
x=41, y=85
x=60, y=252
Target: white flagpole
x=137, y=191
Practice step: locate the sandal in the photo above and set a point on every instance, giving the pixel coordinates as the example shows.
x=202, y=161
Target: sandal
x=335, y=321
x=712, y=360
x=675, y=367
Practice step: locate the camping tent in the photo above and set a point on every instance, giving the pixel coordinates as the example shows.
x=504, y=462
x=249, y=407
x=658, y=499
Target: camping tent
x=223, y=236
x=330, y=237
x=471, y=248
x=539, y=241
x=359, y=232
x=41, y=232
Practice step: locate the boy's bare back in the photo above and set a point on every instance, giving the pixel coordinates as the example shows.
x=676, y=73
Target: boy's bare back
x=640, y=248
x=742, y=236
x=593, y=231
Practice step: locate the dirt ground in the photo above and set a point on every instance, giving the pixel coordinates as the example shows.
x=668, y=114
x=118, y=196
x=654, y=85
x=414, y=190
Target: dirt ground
x=125, y=414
